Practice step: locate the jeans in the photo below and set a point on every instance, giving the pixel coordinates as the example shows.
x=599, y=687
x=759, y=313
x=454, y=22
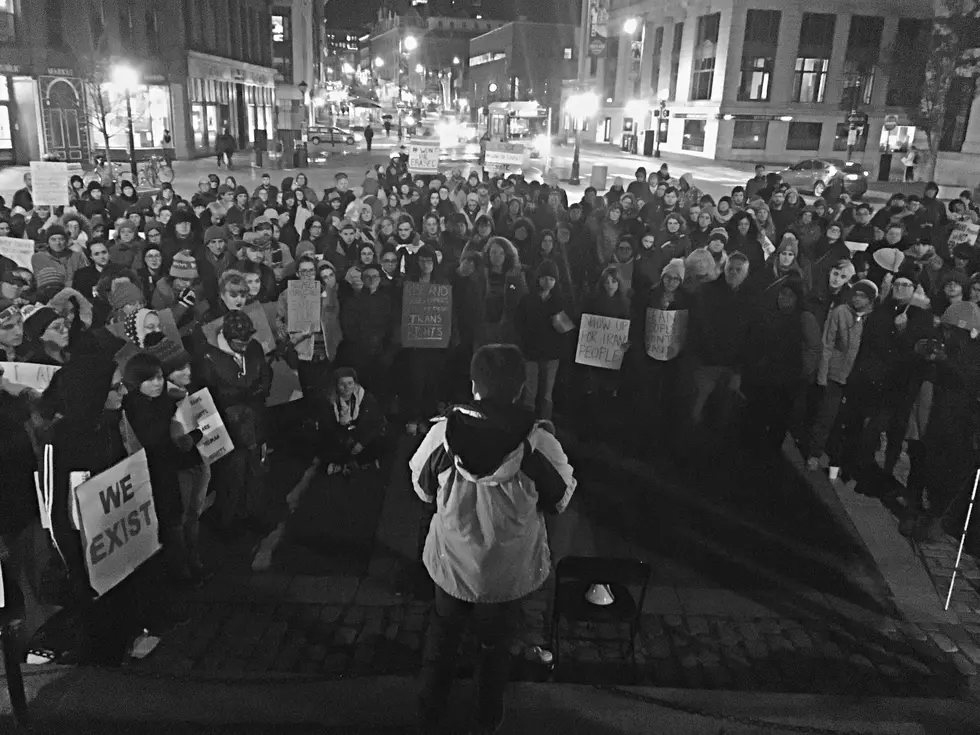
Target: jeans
x=193, y=489
x=539, y=384
x=830, y=402
x=494, y=625
x=707, y=379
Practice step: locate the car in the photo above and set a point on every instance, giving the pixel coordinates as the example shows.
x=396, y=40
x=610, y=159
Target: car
x=814, y=175
x=332, y=135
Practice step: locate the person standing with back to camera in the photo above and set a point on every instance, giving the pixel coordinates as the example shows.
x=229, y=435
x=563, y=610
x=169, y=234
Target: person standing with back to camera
x=493, y=472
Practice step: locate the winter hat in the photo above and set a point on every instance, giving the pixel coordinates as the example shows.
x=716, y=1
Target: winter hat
x=184, y=266
x=237, y=325
x=699, y=264
x=964, y=315
x=123, y=294
x=8, y=310
x=55, y=230
x=303, y=248
x=890, y=259
x=49, y=276
x=954, y=276
x=181, y=216
x=125, y=225
x=171, y=355
x=262, y=221
x=37, y=318
x=151, y=225
x=547, y=268
x=346, y=225
x=908, y=270
x=135, y=328
x=719, y=233
x=215, y=233
x=868, y=288
x=788, y=244
x=225, y=189
x=241, y=190
x=674, y=268
x=846, y=268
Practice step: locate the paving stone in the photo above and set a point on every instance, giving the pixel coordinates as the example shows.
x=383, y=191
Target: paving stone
x=751, y=631
x=658, y=647
x=964, y=665
x=322, y=590
x=345, y=636
x=946, y=645
x=971, y=651
x=914, y=631
x=697, y=625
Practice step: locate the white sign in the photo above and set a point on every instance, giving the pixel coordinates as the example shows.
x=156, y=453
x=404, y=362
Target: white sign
x=198, y=411
x=665, y=333
x=502, y=158
x=19, y=251
x=423, y=157
x=118, y=522
x=50, y=183
x=20, y=376
x=600, y=341
x=964, y=232
x=856, y=247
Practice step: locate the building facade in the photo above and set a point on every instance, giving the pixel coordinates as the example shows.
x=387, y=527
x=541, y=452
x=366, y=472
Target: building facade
x=760, y=80
x=200, y=66
x=526, y=60
x=297, y=59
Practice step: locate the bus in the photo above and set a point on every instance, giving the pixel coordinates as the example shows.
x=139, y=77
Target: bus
x=520, y=122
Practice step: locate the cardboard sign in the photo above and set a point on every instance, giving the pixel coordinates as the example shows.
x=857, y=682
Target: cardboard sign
x=19, y=251
x=600, y=341
x=198, y=411
x=423, y=157
x=20, y=376
x=49, y=181
x=962, y=232
x=118, y=522
x=263, y=330
x=285, y=385
x=427, y=310
x=503, y=158
x=856, y=247
x=303, y=306
x=665, y=333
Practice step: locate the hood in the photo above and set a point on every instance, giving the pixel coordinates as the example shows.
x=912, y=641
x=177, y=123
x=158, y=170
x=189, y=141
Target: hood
x=686, y=179
x=513, y=259
x=486, y=439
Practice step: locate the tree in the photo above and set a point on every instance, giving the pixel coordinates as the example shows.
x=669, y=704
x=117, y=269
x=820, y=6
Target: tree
x=951, y=51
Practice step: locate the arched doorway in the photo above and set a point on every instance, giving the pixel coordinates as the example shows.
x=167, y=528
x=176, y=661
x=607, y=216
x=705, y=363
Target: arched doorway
x=63, y=113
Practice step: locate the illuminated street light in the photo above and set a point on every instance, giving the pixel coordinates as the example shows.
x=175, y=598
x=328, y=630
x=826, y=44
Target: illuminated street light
x=456, y=60
x=630, y=25
x=581, y=106
x=411, y=43
x=419, y=69
x=379, y=62
x=126, y=79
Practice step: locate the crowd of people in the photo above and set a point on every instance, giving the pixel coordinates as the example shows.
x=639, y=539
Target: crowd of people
x=831, y=321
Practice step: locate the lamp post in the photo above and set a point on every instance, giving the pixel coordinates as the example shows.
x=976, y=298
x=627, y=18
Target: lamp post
x=661, y=117
x=126, y=78
x=405, y=46
x=303, y=87
x=582, y=105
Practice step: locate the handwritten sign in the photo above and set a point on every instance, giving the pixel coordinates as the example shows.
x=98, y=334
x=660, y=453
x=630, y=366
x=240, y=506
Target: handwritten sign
x=423, y=157
x=118, y=521
x=600, y=341
x=855, y=246
x=19, y=251
x=665, y=333
x=49, y=180
x=303, y=306
x=962, y=232
x=426, y=314
x=263, y=330
x=21, y=376
x=198, y=411
x=503, y=158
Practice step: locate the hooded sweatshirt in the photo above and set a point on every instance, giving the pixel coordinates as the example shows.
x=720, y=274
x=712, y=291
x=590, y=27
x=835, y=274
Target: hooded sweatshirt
x=492, y=472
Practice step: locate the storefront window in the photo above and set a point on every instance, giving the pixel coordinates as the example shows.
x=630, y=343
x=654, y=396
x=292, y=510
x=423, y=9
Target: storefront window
x=6, y=138
x=151, y=115
x=211, y=112
x=197, y=124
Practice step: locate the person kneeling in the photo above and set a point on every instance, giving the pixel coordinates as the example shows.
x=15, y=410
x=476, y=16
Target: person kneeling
x=353, y=429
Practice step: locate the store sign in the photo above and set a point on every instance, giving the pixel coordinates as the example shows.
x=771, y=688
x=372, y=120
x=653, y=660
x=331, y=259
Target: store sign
x=598, y=27
x=11, y=68
x=60, y=72
x=213, y=68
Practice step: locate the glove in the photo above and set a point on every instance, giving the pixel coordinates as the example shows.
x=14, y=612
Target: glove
x=187, y=298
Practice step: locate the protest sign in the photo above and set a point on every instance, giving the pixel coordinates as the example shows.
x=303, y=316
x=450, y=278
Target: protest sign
x=198, y=411
x=49, y=181
x=665, y=333
x=19, y=251
x=263, y=330
x=118, y=522
x=285, y=384
x=856, y=247
x=303, y=306
x=600, y=341
x=426, y=314
x=503, y=158
x=19, y=376
x=964, y=232
x=423, y=157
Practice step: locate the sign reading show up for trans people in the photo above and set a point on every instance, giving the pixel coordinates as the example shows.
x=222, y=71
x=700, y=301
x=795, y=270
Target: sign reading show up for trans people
x=423, y=157
x=427, y=310
x=600, y=341
x=118, y=521
x=49, y=181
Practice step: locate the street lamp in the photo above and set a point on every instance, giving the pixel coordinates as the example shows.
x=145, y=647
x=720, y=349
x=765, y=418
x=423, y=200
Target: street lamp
x=661, y=115
x=411, y=43
x=630, y=25
x=127, y=78
x=303, y=87
x=456, y=60
x=379, y=62
x=582, y=106
x=419, y=69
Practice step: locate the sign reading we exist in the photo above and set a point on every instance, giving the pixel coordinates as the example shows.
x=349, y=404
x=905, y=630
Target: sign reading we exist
x=427, y=310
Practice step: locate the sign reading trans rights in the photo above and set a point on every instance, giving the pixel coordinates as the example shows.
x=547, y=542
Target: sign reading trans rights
x=427, y=310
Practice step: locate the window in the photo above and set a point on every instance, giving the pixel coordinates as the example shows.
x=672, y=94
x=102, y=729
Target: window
x=804, y=136
x=486, y=58
x=908, y=62
x=840, y=138
x=702, y=76
x=863, y=50
x=658, y=50
x=703, y=64
x=750, y=134
x=959, y=99
x=810, y=80
x=675, y=60
x=8, y=34
x=693, y=135
x=759, y=55
x=756, y=81
x=280, y=26
x=567, y=53
x=55, y=14
x=857, y=85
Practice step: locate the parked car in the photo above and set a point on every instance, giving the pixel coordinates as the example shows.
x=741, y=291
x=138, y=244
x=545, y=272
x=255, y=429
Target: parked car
x=332, y=135
x=814, y=175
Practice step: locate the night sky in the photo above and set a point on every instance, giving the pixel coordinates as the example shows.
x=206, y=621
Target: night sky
x=356, y=14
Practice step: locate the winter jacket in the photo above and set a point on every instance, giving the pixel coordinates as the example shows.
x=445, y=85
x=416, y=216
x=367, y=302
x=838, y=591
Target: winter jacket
x=128, y=255
x=186, y=318
x=367, y=321
x=719, y=321
x=329, y=324
x=239, y=385
x=773, y=350
x=150, y=419
x=367, y=425
x=67, y=263
x=886, y=360
x=492, y=472
x=536, y=333
x=841, y=342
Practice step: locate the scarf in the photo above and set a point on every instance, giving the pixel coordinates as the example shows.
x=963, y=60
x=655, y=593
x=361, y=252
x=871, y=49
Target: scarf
x=346, y=412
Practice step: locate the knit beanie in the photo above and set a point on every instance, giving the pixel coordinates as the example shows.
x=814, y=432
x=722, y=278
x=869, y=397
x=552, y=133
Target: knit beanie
x=547, y=268
x=182, y=215
x=37, y=318
x=699, y=264
x=674, y=268
x=48, y=276
x=184, y=266
x=171, y=354
x=303, y=248
x=788, y=243
x=55, y=230
x=868, y=288
x=125, y=225
x=215, y=233
x=719, y=233
x=151, y=225
x=123, y=294
x=237, y=325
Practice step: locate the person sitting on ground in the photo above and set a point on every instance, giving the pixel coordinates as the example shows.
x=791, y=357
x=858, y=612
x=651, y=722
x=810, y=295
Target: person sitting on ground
x=352, y=426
